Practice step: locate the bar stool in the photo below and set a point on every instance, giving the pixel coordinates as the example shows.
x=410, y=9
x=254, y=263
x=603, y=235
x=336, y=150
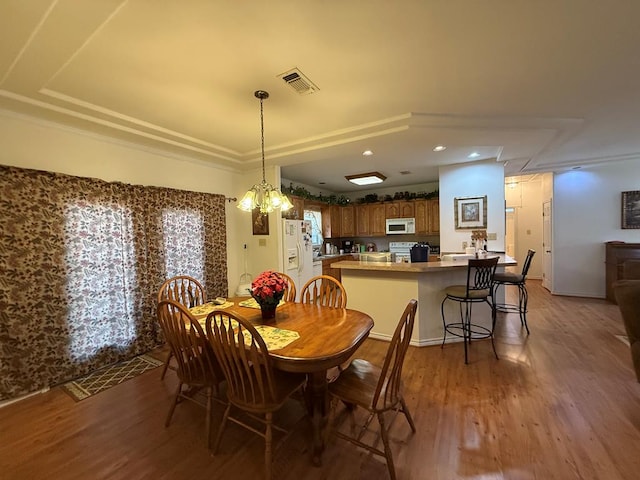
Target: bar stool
x=517, y=279
x=480, y=273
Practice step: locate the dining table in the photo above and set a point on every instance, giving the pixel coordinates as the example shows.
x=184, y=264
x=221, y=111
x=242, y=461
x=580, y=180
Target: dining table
x=305, y=338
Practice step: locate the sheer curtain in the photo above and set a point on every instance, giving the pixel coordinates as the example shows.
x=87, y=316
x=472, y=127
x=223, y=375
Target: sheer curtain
x=81, y=261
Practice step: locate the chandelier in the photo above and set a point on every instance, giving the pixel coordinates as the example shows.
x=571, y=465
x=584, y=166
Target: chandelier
x=264, y=196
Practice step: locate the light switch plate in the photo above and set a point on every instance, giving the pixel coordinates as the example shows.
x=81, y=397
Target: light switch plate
x=262, y=242
x=492, y=236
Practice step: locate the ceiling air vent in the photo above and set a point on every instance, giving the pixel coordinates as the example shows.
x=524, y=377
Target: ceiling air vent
x=296, y=80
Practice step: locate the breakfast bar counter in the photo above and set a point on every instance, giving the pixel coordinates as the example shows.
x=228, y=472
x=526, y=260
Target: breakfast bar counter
x=383, y=289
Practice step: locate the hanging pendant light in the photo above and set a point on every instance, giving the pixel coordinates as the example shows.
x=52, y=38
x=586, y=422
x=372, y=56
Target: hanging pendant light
x=264, y=195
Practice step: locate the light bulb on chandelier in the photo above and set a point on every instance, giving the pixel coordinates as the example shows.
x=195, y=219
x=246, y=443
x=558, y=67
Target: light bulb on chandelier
x=264, y=196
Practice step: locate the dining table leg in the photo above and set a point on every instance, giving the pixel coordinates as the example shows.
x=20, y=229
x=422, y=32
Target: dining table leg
x=319, y=403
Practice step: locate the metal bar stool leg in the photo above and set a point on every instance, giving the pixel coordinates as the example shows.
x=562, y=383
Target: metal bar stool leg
x=444, y=323
x=466, y=330
x=523, y=298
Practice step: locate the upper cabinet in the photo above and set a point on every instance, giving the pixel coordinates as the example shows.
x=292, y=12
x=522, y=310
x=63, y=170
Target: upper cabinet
x=332, y=221
x=362, y=220
x=377, y=220
x=423, y=217
x=427, y=213
x=400, y=209
x=369, y=219
x=297, y=212
x=348, y=225
x=434, y=214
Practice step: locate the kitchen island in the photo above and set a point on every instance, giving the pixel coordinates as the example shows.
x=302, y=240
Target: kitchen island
x=383, y=289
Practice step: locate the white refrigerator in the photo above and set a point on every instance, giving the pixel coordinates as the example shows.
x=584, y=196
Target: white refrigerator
x=298, y=252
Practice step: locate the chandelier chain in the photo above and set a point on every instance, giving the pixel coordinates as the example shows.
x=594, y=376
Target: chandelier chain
x=262, y=139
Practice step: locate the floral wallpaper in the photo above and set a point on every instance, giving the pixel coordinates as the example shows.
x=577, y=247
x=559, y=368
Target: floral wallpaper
x=81, y=261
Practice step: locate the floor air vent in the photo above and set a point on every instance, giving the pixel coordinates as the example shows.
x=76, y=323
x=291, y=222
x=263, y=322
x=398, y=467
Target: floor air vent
x=296, y=80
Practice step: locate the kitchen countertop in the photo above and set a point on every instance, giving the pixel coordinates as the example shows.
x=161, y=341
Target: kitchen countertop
x=421, y=267
x=329, y=257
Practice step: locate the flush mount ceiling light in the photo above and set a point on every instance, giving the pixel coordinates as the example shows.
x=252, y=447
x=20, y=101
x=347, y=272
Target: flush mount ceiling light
x=439, y=148
x=473, y=155
x=367, y=153
x=264, y=195
x=366, y=178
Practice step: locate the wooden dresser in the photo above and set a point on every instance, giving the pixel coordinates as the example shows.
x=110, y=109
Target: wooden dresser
x=616, y=254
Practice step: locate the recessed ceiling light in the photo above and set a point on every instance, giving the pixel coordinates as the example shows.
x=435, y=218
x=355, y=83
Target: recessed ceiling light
x=439, y=148
x=474, y=155
x=367, y=153
x=321, y=183
x=366, y=178
x=576, y=168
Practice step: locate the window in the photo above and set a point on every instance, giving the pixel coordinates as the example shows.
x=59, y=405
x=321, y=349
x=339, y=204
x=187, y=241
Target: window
x=184, y=243
x=101, y=278
x=315, y=217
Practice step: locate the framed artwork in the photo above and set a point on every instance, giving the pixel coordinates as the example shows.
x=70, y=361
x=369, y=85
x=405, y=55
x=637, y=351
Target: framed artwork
x=631, y=209
x=260, y=222
x=470, y=213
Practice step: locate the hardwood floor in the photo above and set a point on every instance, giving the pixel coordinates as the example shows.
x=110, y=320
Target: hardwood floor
x=562, y=403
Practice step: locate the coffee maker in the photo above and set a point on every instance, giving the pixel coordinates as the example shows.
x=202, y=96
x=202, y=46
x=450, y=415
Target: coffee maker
x=347, y=246
x=420, y=252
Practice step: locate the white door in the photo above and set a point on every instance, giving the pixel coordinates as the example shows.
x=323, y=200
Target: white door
x=547, y=278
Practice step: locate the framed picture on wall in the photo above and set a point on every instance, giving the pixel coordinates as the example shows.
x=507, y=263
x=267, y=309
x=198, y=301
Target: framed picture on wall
x=260, y=222
x=631, y=209
x=470, y=212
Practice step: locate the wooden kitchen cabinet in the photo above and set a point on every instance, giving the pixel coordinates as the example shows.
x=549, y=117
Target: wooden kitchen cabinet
x=427, y=216
x=297, y=212
x=331, y=221
x=362, y=220
x=423, y=217
x=400, y=209
x=334, y=272
x=348, y=225
x=434, y=215
x=377, y=220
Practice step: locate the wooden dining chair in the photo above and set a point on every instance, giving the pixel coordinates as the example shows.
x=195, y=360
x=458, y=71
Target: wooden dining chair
x=378, y=390
x=197, y=364
x=324, y=290
x=253, y=385
x=185, y=290
x=290, y=291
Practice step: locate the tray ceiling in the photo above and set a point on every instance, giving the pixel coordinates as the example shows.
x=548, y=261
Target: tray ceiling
x=539, y=86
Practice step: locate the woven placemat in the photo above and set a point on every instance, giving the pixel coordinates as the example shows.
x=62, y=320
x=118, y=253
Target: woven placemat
x=100, y=380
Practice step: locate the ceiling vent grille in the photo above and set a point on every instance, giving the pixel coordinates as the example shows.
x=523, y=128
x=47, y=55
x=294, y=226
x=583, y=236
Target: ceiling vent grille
x=296, y=80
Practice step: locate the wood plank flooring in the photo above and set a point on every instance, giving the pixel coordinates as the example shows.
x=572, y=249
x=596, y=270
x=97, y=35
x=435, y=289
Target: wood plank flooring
x=562, y=403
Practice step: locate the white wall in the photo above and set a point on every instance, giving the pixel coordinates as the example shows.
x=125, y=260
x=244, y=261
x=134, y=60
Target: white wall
x=586, y=214
x=31, y=143
x=475, y=179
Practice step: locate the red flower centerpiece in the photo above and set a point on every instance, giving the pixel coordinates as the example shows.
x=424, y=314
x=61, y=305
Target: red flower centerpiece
x=267, y=289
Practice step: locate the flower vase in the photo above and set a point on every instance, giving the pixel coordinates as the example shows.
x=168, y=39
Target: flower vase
x=268, y=311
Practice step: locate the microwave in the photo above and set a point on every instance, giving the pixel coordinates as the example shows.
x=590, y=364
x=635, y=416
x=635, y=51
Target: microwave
x=396, y=226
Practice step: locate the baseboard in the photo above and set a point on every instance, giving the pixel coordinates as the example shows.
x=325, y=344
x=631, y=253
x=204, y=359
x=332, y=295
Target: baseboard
x=6, y=403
